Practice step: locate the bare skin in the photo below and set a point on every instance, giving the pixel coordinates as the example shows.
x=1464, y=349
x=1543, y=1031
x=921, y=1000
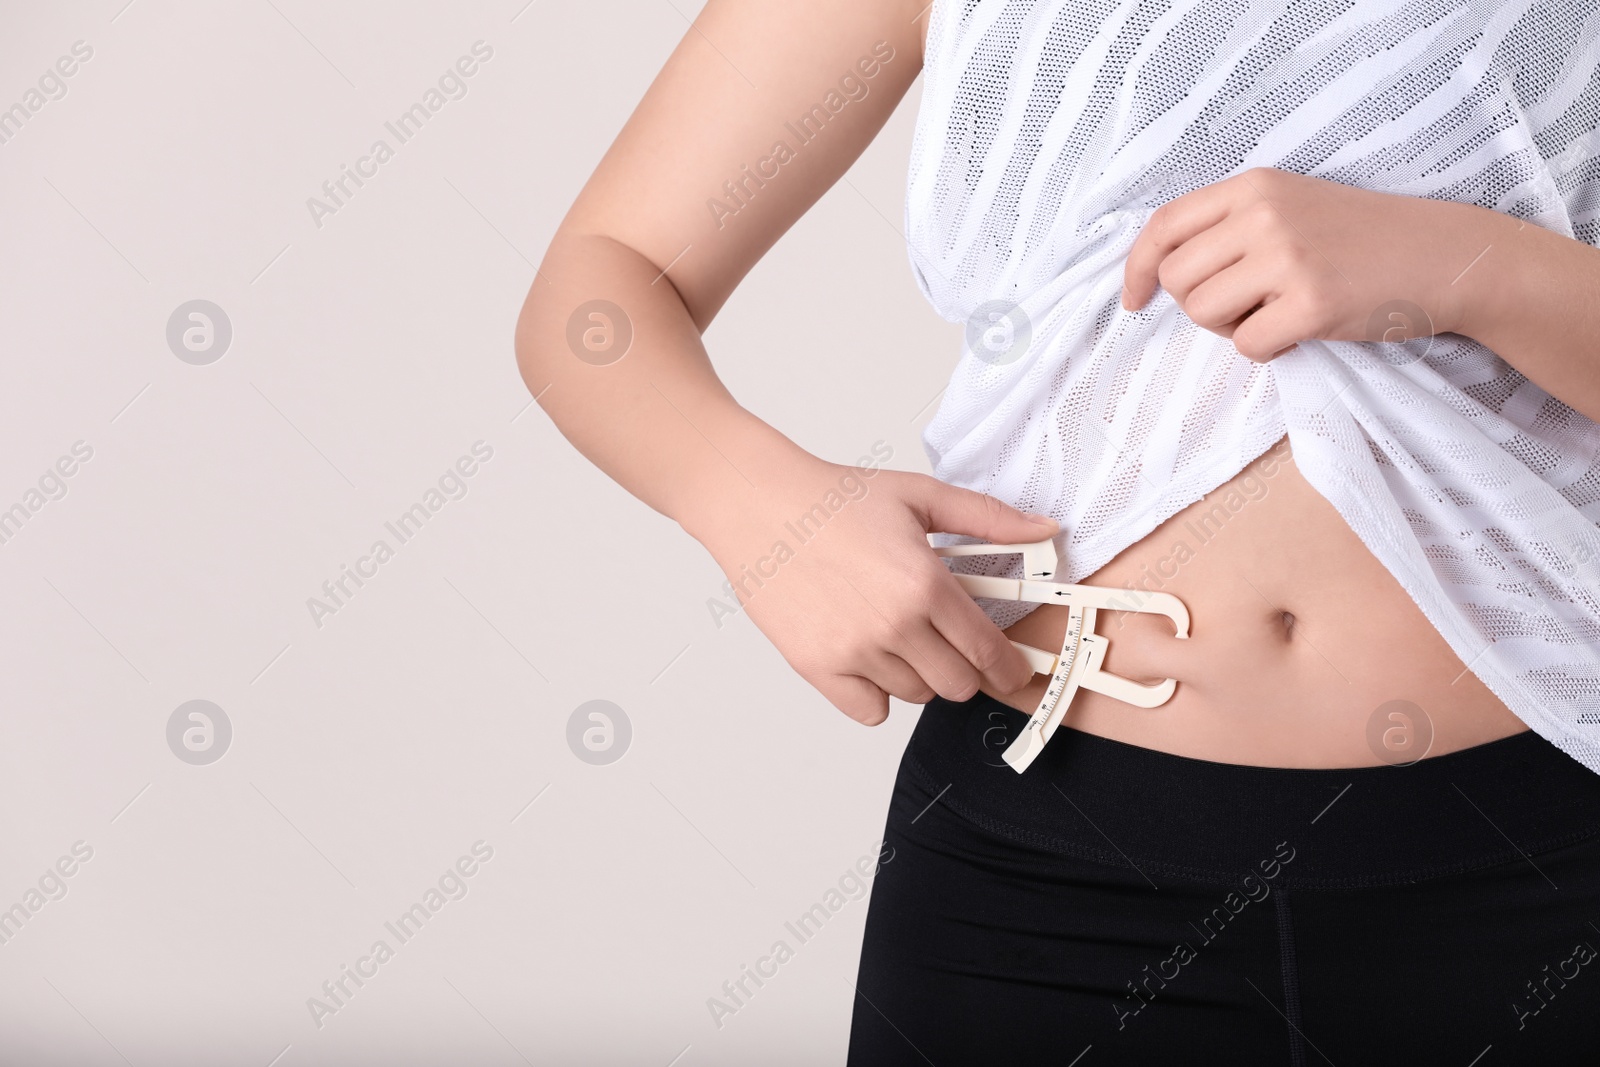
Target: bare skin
x=1298, y=638
x=866, y=611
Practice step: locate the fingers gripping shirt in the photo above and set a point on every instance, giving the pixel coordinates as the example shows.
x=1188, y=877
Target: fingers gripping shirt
x=1049, y=130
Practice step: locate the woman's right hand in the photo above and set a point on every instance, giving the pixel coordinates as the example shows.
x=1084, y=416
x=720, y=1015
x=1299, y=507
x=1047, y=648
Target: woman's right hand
x=862, y=608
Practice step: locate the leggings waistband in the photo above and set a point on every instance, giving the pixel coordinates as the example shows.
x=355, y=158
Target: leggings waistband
x=1098, y=799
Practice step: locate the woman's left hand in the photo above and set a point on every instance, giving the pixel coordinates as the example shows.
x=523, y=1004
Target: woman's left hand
x=1270, y=258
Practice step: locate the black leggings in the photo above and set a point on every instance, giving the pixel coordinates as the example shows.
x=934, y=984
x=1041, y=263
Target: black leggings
x=1116, y=905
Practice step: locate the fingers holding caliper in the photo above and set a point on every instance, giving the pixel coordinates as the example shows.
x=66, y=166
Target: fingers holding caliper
x=1082, y=657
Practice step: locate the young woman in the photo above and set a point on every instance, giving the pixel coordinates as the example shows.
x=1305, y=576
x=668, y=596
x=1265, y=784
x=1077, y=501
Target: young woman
x=1285, y=309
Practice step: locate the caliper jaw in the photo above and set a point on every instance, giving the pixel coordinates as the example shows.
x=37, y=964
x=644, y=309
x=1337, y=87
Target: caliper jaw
x=1082, y=657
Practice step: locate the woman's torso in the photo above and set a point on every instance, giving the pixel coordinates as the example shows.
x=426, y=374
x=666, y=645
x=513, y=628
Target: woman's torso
x=1303, y=650
x=1047, y=133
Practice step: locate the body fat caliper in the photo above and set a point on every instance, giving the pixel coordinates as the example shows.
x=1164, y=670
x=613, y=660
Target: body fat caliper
x=1083, y=652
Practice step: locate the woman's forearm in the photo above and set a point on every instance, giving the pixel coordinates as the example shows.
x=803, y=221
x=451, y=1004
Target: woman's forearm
x=1269, y=258
x=631, y=386
x=1533, y=297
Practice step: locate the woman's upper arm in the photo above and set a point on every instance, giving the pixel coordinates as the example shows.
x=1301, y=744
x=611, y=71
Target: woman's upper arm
x=758, y=111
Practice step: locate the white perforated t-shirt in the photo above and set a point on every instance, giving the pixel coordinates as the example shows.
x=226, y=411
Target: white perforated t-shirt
x=1050, y=129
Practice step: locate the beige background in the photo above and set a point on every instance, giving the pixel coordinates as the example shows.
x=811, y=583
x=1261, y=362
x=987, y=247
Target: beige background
x=372, y=752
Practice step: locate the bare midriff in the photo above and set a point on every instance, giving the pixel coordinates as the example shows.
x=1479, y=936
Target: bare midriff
x=1303, y=650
